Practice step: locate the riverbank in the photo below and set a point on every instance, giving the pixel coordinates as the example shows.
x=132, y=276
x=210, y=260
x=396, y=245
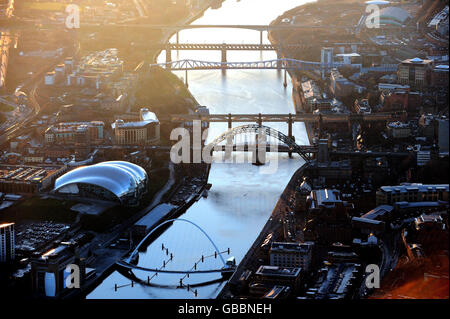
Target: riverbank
x=274, y=226
x=181, y=193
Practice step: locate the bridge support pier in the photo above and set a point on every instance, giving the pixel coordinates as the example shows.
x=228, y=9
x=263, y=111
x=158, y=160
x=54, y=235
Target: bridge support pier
x=259, y=157
x=230, y=122
x=186, y=79
x=285, y=78
x=290, y=122
x=177, y=37
x=168, y=57
x=224, y=59
x=279, y=57
x=261, y=37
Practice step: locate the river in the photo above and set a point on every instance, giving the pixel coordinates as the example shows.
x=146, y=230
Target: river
x=242, y=196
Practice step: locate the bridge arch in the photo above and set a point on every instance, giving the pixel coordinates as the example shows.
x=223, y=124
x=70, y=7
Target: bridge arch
x=135, y=251
x=268, y=131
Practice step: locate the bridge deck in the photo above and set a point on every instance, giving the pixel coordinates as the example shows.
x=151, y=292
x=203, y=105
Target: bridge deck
x=230, y=47
x=285, y=118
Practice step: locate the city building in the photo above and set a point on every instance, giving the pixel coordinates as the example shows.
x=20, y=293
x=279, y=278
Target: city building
x=326, y=58
x=411, y=192
x=276, y=276
x=49, y=273
x=415, y=72
x=439, y=76
x=310, y=94
x=394, y=16
x=115, y=181
x=336, y=281
x=431, y=231
x=27, y=178
x=400, y=99
x=328, y=217
x=144, y=131
x=7, y=242
x=288, y=254
x=277, y=292
x=341, y=87
x=349, y=59
x=398, y=130
x=301, y=194
x=75, y=132
x=362, y=106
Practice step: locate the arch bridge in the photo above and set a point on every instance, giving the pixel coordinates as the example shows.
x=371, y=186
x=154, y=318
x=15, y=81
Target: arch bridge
x=304, y=151
x=128, y=262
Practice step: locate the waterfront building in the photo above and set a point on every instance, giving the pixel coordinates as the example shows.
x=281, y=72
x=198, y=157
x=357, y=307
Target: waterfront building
x=328, y=217
x=310, y=94
x=7, y=242
x=415, y=72
x=49, y=274
x=336, y=281
x=284, y=276
x=288, y=254
x=412, y=192
x=115, y=181
x=301, y=194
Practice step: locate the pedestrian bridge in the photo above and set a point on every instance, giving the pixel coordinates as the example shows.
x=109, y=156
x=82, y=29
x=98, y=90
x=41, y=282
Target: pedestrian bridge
x=129, y=262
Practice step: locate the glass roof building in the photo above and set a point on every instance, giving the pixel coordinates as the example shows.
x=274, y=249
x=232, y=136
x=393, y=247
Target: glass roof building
x=119, y=181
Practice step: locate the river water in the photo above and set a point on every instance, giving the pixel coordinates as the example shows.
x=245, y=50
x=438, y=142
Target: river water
x=242, y=196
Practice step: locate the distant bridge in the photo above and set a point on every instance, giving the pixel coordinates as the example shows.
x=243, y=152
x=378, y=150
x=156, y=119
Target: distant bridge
x=229, y=47
x=284, y=118
x=281, y=63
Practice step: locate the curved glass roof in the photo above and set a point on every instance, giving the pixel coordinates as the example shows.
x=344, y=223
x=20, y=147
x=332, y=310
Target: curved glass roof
x=120, y=178
x=136, y=170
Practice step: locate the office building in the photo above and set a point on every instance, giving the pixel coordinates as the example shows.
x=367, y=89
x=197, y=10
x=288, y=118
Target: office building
x=291, y=254
x=144, y=131
x=415, y=72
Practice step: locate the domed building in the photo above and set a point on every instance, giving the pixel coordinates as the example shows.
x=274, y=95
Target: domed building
x=118, y=181
x=394, y=16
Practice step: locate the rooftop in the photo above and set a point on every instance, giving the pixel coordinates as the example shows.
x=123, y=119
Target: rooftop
x=274, y=271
